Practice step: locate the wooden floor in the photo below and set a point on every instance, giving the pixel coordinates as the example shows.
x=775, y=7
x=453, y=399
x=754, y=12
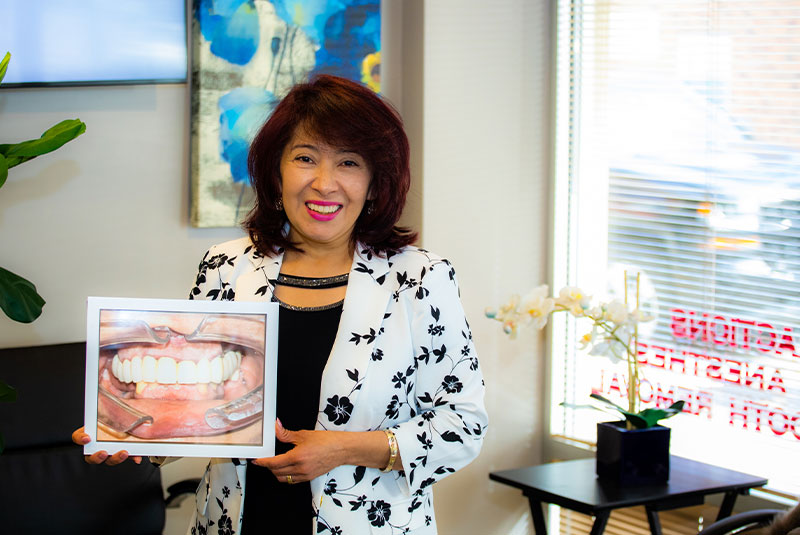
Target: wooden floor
x=633, y=521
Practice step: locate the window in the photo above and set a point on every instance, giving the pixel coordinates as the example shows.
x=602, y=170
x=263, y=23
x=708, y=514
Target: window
x=678, y=157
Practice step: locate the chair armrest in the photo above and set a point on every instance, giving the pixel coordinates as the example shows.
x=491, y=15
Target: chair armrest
x=740, y=521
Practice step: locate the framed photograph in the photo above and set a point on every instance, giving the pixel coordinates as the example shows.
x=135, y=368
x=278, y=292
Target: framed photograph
x=171, y=377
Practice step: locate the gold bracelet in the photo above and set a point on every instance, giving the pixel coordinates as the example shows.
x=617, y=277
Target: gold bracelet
x=392, y=450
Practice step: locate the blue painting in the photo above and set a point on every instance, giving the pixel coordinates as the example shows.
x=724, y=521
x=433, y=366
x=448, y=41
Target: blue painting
x=246, y=54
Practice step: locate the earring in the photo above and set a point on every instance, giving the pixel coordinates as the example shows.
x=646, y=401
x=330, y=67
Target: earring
x=370, y=207
x=279, y=204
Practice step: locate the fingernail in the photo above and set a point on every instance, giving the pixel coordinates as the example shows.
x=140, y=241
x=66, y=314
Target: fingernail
x=279, y=422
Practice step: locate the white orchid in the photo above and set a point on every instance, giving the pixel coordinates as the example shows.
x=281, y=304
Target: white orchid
x=574, y=300
x=616, y=312
x=537, y=306
x=613, y=325
x=508, y=314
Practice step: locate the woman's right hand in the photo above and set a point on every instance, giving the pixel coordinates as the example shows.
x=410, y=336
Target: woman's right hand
x=80, y=438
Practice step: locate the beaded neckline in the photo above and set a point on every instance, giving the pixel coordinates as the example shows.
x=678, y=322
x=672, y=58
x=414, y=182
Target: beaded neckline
x=309, y=282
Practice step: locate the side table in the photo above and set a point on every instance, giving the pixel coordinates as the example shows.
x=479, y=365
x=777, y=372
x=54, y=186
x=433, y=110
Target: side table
x=574, y=485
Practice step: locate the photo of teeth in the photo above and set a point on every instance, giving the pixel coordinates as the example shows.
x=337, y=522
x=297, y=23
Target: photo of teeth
x=166, y=372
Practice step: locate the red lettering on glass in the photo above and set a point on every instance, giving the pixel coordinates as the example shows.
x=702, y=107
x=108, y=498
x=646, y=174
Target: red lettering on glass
x=704, y=401
x=645, y=384
x=745, y=331
x=738, y=412
x=678, y=324
x=734, y=368
x=756, y=378
x=776, y=382
x=772, y=418
x=664, y=399
x=716, y=337
x=787, y=342
x=713, y=371
x=769, y=330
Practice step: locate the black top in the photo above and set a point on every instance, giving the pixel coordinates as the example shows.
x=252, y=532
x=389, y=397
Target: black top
x=305, y=339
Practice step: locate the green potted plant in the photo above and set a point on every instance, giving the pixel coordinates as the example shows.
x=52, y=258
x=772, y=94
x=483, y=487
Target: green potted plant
x=634, y=450
x=19, y=299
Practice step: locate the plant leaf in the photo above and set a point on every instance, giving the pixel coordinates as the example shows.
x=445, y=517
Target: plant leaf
x=4, y=65
x=18, y=298
x=52, y=139
x=654, y=415
x=3, y=170
x=7, y=392
x=635, y=419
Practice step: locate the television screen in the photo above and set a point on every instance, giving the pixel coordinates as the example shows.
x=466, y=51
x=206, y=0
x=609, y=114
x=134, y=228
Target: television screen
x=86, y=42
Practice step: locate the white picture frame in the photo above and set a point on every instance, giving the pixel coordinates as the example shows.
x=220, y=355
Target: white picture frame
x=172, y=377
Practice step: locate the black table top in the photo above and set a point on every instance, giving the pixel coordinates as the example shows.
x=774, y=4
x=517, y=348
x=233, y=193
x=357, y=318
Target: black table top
x=574, y=484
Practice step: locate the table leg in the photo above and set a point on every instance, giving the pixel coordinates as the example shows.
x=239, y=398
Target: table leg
x=654, y=521
x=600, y=521
x=728, y=502
x=539, y=525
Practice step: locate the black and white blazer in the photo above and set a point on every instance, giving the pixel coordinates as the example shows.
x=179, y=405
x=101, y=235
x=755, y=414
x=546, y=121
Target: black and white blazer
x=403, y=358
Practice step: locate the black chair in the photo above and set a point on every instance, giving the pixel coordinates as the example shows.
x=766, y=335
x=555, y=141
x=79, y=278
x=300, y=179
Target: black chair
x=45, y=484
x=777, y=522
x=742, y=522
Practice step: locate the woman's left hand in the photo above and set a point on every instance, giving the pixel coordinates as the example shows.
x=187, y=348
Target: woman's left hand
x=314, y=453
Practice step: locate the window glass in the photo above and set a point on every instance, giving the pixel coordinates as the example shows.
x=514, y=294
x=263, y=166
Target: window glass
x=678, y=157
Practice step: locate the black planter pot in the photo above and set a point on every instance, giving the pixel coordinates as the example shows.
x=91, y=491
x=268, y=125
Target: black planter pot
x=632, y=458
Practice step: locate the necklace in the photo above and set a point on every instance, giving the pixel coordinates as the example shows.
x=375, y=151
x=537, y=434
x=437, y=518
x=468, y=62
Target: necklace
x=308, y=282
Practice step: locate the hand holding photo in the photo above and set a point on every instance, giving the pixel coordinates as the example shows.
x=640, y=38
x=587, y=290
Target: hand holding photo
x=174, y=377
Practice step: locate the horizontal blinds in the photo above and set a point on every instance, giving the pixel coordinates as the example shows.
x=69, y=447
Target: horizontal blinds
x=685, y=115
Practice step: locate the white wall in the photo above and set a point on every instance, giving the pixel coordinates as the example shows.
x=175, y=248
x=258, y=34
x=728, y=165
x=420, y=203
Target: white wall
x=107, y=214
x=486, y=207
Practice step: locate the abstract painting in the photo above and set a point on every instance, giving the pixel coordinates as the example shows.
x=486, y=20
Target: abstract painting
x=246, y=55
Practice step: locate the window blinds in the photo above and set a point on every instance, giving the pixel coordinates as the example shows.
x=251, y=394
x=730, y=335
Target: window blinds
x=678, y=156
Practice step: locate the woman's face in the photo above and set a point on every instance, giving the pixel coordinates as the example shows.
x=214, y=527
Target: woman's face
x=324, y=189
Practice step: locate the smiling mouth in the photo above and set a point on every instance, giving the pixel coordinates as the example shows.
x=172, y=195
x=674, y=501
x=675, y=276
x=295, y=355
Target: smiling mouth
x=146, y=370
x=324, y=209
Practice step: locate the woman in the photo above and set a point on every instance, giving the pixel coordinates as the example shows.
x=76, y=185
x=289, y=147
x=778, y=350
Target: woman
x=379, y=394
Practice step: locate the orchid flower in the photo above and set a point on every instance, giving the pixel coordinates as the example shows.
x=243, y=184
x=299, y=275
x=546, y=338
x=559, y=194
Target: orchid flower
x=537, y=306
x=574, y=300
x=613, y=325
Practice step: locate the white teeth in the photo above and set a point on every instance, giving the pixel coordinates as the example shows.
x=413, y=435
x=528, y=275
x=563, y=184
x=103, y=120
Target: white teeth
x=167, y=370
x=328, y=209
x=187, y=374
x=226, y=367
x=216, y=370
x=149, y=365
x=115, y=367
x=136, y=369
x=203, y=370
x=126, y=371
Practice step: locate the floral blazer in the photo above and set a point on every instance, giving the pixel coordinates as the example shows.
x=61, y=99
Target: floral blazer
x=403, y=359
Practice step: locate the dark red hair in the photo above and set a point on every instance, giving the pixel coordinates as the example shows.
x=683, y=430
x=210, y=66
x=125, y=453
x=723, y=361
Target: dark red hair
x=343, y=114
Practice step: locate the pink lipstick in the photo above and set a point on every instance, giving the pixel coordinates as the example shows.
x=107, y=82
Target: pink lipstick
x=323, y=210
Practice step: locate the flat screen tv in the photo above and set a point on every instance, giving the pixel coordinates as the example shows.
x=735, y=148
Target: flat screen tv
x=93, y=42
